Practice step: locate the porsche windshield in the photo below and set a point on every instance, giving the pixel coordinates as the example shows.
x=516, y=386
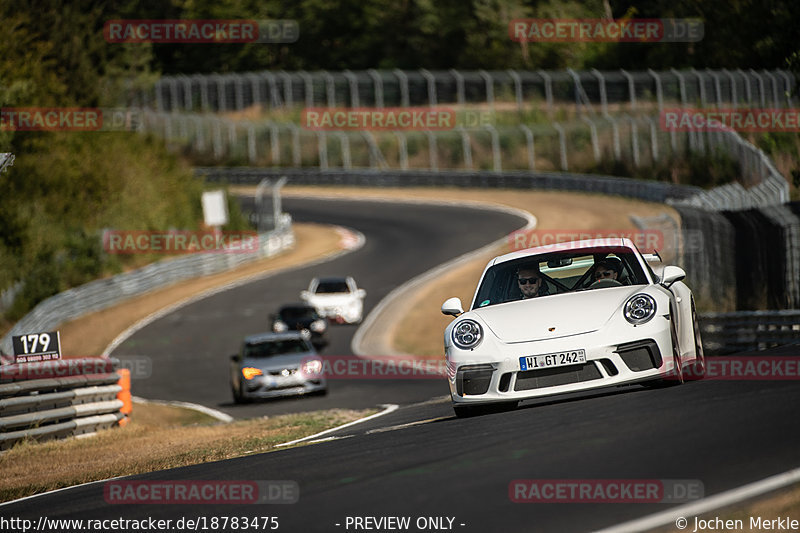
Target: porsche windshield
x=558, y=273
x=331, y=287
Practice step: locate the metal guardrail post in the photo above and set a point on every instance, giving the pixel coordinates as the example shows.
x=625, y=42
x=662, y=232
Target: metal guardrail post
x=761, y=90
x=296, y=150
x=344, y=142
x=517, y=88
x=489, y=81
x=631, y=89
x=681, y=86
x=548, y=91
x=466, y=147
x=402, y=149
x=460, y=98
x=659, y=89
x=403, y=80
x=252, y=153
x=288, y=95
x=562, y=143
x=353, y=83
x=496, y=154
x=432, y=99
x=377, y=83
x=274, y=143
x=601, y=81
x=774, y=83
x=432, y=151
x=701, y=87
x=595, y=140
x=717, y=88
x=787, y=91
x=330, y=88
x=322, y=146
x=732, y=79
x=308, y=84
x=531, y=148
x=748, y=91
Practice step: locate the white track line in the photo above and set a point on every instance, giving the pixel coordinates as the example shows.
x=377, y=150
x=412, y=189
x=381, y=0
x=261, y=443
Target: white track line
x=219, y=415
x=724, y=499
x=389, y=408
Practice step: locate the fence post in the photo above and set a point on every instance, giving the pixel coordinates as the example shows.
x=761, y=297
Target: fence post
x=659, y=89
x=602, y=84
x=459, y=86
x=466, y=147
x=330, y=88
x=701, y=86
x=288, y=96
x=353, y=83
x=322, y=145
x=275, y=149
x=761, y=89
x=432, y=151
x=344, y=141
x=517, y=87
x=252, y=153
x=529, y=140
x=496, y=155
x=402, y=148
x=308, y=84
x=595, y=140
x=631, y=89
x=296, y=152
x=548, y=91
x=403, y=80
x=774, y=84
x=562, y=143
x=681, y=86
x=377, y=84
x=432, y=100
x=489, y=88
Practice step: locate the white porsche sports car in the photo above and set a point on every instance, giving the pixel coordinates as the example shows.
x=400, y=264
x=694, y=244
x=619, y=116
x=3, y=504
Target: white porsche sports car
x=337, y=298
x=570, y=317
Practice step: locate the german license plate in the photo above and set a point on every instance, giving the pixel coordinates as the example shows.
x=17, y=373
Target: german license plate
x=549, y=360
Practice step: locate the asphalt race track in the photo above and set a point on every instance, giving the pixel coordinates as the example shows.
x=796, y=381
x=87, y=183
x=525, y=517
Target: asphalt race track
x=420, y=461
x=188, y=350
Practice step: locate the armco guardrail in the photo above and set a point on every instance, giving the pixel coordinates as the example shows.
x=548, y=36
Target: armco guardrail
x=103, y=293
x=645, y=190
x=728, y=333
x=60, y=398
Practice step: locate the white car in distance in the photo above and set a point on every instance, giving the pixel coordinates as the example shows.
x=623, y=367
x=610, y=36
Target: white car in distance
x=336, y=298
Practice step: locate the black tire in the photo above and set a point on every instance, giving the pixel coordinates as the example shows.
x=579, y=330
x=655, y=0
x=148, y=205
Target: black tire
x=237, y=396
x=674, y=378
x=697, y=370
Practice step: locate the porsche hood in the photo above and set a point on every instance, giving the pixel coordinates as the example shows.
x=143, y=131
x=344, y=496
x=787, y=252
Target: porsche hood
x=553, y=317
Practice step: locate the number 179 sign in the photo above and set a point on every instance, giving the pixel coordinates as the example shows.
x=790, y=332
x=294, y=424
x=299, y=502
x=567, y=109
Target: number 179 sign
x=35, y=347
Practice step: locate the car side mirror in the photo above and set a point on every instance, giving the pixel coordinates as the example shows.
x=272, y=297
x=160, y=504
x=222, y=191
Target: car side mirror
x=672, y=274
x=361, y=293
x=235, y=358
x=305, y=295
x=452, y=307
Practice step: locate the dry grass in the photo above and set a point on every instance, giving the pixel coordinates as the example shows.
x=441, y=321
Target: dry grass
x=158, y=437
x=90, y=334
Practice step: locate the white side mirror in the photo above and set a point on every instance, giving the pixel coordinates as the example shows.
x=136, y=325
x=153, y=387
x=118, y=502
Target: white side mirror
x=361, y=293
x=452, y=307
x=671, y=275
x=305, y=295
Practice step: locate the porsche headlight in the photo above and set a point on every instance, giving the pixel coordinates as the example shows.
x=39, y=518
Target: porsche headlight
x=639, y=309
x=467, y=334
x=317, y=326
x=279, y=326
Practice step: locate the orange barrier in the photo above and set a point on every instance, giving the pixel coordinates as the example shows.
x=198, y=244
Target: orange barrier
x=125, y=395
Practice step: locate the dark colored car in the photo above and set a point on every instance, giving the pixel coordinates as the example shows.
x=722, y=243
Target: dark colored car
x=301, y=317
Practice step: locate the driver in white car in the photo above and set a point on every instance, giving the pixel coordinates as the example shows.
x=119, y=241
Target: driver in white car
x=529, y=281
